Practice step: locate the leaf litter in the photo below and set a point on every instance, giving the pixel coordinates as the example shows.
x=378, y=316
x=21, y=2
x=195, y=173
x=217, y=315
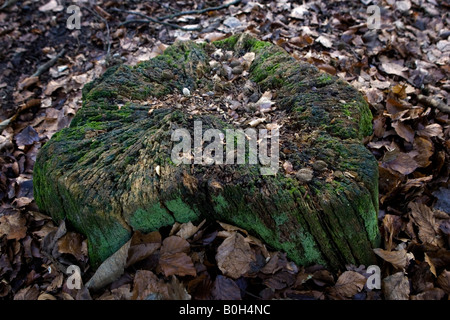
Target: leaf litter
x=405, y=83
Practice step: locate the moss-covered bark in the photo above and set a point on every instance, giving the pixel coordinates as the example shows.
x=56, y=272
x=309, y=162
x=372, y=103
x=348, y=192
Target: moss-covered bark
x=100, y=173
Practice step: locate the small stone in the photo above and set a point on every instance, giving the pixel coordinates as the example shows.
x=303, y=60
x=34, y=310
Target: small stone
x=232, y=22
x=304, y=175
x=320, y=165
x=186, y=92
x=158, y=170
x=254, y=97
x=237, y=70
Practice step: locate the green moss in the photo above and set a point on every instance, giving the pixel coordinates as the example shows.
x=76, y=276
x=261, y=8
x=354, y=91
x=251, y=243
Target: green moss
x=181, y=211
x=151, y=219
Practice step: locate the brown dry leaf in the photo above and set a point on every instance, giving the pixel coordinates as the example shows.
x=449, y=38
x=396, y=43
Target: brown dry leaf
x=348, y=284
x=111, y=269
x=277, y=262
x=214, y=36
x=403, y=163
x=178, y=263
x=225, y=289
x=443, y=281
x=398, y=259
x=142, y=246
x=234, y=256
x=391, y=66
x=231, y=228
x=432, y=294
x=428, y=227
x=177, y=290
x=174, y=244
x=147, y=286
x=72, y=243
x=13, y=226
x=46, y=296
x=280, y=280
x=425, y=150
x=28, y=293
x=187, y=230
x=432, y=130
x=396, y=287
x=404, y=131
x=27, y=137
x=399, y=90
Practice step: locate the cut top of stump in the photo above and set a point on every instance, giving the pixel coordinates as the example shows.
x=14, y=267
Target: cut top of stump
x=112, y=171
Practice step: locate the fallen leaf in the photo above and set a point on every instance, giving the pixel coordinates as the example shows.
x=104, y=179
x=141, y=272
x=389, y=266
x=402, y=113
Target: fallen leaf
x=403, y=163
x=396, y=287
x=398, y=259
x=326, y=42
x=432, y=294
x=404, y=131
x=177, y=290
x=142, y=246
x=110, y=270
x=27, y=136
x=234, y=256
x=443, y=281
x=178, y=263
x=428, y=227
x=187, y=230
x=348, y=284
x=174, y=244
x=72, y=243
x=147, y=286
x=225, y=289
x=280, y=280
x=425, y=150
x=13, y=226
x=395, y=67
x=28, y=293
x=231, y=228
x=432, y=130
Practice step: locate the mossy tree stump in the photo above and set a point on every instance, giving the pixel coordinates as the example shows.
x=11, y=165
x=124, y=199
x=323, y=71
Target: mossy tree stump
x=100, y=173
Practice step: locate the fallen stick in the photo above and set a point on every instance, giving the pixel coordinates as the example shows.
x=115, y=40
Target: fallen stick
x=430, y=101
x=41, y=69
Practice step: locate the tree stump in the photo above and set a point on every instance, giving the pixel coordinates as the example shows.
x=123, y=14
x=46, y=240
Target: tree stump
x=111, y=171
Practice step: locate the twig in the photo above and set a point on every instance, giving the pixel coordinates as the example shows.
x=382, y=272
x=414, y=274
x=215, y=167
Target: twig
x=436, y=103
x=41, y=69
x=183, y=13
x=108, y=51
x=150, y=19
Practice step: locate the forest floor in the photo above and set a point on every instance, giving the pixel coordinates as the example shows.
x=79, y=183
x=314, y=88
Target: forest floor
x=402, y=68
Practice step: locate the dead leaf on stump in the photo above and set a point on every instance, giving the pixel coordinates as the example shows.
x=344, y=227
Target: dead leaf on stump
x=234, y=256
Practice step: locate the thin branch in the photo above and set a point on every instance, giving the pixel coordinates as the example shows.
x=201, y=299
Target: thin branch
x=42, y=68
x=183, y=13
x=107, y=28
x=150, y=19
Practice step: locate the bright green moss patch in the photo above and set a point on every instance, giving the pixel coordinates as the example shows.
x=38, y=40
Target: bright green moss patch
x=151, y=219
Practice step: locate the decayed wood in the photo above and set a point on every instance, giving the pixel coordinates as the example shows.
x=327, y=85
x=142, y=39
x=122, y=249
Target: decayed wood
x=111, y=173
